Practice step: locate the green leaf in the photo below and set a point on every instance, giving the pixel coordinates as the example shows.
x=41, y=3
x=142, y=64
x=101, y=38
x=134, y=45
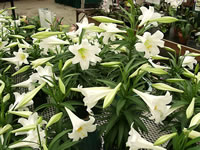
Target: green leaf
x=108, y=83
x=57, y=137
x=111, y=123
x=67, y=145
x=120, y=133
x=81, y=36
x=120, y=105
x=193, y=141
x=44, y=106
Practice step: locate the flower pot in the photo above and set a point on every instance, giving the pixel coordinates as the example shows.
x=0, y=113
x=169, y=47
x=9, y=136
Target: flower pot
x=182, y=39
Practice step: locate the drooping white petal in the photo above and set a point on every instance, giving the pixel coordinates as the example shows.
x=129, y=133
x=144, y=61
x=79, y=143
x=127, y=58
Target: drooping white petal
x=80, y=127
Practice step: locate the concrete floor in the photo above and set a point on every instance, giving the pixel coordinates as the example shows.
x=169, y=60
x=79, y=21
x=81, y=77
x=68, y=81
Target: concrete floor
x=30, y=8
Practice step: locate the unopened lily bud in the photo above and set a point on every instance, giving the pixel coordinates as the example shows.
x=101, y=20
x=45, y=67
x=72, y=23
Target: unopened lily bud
x=23, y=69
x=28, y=27
x=39, y=120
x=169, y=49
x=42, y=29
x=95, y=29
x=165, y=87
x=188, y=74
x=158, y=57
x=174, y=80
x=111, y=64
x=195, y=120
x=61, y=86
x=24, y=114
x=5, y=129
x=24, y=129
x=2, y=86
x=190, y=109
x=104, y=19
x=166, y=19
x=139, y=70
x=55, y=118
x=7, y=69
x=6, y=98
x=193, y=54
x=29, y=96
x=158, y=71
x=12, y=45
x=164, y=138
x=192, y=134
x=45, y=34
x=17, y=36
x=67, y=64
x=40, y=61
x=109, y=98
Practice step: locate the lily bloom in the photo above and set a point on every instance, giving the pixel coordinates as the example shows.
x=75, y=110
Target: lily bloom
x=158, y=105
x=189, y=60
x=147, y=15
x=149, y=43
x=84, y=54
x=93, y=95
x=80, y=127
x=135, y=142
x=19, y=59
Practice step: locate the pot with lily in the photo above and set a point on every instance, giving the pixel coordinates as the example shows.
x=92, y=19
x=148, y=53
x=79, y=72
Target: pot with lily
x=115, y=68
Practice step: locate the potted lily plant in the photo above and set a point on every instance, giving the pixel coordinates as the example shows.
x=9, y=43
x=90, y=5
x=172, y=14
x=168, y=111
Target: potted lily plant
x=114, y=71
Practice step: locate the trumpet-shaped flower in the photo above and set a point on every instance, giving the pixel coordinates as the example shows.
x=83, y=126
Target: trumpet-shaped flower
x=93, y=95
x=84, y=54
x=174, y=3
x=189, y=61
x=32, y=120
x=33, y=140
x=18, y=98
x=83, y=24
x=19, y=59
x=158, y=105
x=51, y=43
x=147, y=15
x=80, y=127
x=28, y=83
x=135, y=142
x=111, y=29
x=149, y=43
x=45, y=74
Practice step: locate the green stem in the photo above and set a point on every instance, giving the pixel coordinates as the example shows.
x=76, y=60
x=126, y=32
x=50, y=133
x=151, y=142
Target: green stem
x=40, y=142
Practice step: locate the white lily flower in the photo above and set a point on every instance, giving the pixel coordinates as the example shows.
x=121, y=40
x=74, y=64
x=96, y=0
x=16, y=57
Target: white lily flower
x=18, y=98
x=32, y=120
x=93, y=95
x=135, y=142
x=189, y=60
x=80, y=127
x=174, y=3
x=84, y=54
x=29, y=83
x=19, y=59
x=157, y=66
x=158, y=105
x=149, y=43
x=110, y=31
x=51, y=43
x=83, y=24
x=106, y=5
x=3, y=45
x=32, y=140
x=147, y=15
x=45, y=74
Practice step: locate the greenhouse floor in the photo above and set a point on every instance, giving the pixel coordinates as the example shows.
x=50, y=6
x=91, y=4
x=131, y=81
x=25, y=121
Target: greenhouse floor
x=30, y=8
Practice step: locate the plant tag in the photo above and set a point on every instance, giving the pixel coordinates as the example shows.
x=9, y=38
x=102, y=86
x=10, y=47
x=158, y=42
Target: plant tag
x=46, y=17
x=157, y=2
x=197, y=5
